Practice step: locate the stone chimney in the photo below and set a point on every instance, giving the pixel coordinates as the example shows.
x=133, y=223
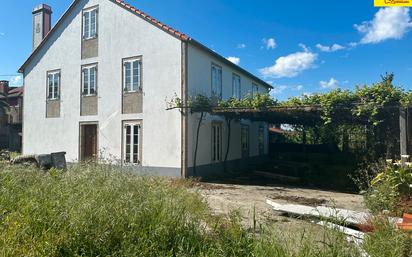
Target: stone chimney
x=4, y=87
x=41, y=23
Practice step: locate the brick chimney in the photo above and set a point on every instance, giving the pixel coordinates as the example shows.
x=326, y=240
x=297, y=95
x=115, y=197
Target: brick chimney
x=41, y=23
x=4, y=87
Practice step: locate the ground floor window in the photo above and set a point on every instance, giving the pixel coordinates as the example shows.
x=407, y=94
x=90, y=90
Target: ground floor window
x=216, y=142
x=261, y=140
x=132, y=143
x=245, y=141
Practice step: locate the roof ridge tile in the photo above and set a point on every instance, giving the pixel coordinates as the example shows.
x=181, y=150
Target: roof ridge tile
x=156, y=22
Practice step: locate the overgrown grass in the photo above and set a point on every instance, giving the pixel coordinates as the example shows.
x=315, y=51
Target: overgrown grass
x=98, y=210
x=386, y=241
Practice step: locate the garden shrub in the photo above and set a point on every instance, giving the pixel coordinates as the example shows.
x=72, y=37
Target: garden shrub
x=387, y=187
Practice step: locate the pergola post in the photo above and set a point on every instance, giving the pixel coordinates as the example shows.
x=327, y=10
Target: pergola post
x=403, y=127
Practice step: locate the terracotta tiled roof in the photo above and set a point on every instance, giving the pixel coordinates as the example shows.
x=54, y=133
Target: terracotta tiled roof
x=16, y=90
x=156, y=23
x=152, y=20
x=277, y=130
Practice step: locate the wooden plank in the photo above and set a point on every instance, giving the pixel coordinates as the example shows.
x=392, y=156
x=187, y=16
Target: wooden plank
x=352, y=236
x=345, y=216
x=279, y=177
x=347, y=231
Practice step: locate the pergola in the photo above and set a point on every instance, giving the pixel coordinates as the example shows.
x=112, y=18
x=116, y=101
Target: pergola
x=311, y=115
x=297, y=115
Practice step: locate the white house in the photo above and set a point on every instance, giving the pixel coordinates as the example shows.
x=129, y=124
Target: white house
x=98, y=81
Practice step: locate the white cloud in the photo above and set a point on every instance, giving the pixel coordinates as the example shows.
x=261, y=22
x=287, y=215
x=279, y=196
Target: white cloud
x=269, y=43
x=278, y=89
x=388, y=23
x=235, y=60
x=332, y=83
x=329, y=49
x=291, y=65
x=16, y=81
x=241, y=46
x=353, y=44
x=2, y=34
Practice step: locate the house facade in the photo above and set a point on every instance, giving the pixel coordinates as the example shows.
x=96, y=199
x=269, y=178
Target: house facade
x=97, y=84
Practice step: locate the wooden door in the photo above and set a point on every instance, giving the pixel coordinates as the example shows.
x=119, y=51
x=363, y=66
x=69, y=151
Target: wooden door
x=89, y=142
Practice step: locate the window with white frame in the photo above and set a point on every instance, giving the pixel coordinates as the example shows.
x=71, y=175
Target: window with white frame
x=53, y=85
x=216, y=81
x=255, y=89
x=132, y=70
x=236, y=89
x=90, y=23
x=131, y=141
x=89, y=80
x=216, y=142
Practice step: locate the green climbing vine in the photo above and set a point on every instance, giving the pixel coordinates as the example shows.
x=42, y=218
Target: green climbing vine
x=368, y=116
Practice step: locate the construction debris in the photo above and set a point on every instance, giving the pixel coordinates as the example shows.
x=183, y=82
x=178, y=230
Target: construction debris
x=406, y=224
x=345, y=216
x=43, y=161
x=352, y=236
x=332, y=215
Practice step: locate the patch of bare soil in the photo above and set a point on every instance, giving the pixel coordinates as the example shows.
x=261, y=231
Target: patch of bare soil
x=250, y=202
x=300, y=200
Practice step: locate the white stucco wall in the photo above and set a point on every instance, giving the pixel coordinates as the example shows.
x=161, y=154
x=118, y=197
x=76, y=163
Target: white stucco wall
x=121, y=34
x=199, y=81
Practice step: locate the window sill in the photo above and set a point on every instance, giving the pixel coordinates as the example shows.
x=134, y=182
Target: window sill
x=89, y=38
x=132, y=92
x=86, y=96
x=53, y=99
x=138, y=165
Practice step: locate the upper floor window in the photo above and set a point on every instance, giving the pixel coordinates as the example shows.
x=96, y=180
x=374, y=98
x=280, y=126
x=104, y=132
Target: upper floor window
x=89, y=80
x=255, y=89
x=132, y=69
x=236, y=89
x=53, y=85
x=216, y=81
x=90, y=23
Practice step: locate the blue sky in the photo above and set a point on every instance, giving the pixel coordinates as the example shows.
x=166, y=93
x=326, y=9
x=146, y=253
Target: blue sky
x=298, y=46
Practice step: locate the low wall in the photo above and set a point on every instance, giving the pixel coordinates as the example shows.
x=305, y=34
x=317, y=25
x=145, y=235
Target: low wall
x=218, y=169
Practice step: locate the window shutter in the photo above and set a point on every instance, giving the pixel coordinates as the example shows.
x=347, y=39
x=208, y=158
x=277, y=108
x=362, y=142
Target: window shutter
x=140, y=76
x=94, y=69
x=58, y=85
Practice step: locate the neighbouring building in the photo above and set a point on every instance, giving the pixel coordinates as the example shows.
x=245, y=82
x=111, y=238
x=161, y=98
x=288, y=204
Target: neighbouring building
x=97, y=84
x=11, y=123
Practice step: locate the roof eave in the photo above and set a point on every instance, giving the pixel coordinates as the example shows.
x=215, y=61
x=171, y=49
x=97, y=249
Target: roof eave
x=146, y=17
x=229, y=63
x=54, y=28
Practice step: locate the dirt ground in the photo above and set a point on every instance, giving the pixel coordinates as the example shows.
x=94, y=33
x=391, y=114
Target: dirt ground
x=250, y=202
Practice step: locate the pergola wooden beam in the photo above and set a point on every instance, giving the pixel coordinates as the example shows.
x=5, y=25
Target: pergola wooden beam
x=301, y=115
